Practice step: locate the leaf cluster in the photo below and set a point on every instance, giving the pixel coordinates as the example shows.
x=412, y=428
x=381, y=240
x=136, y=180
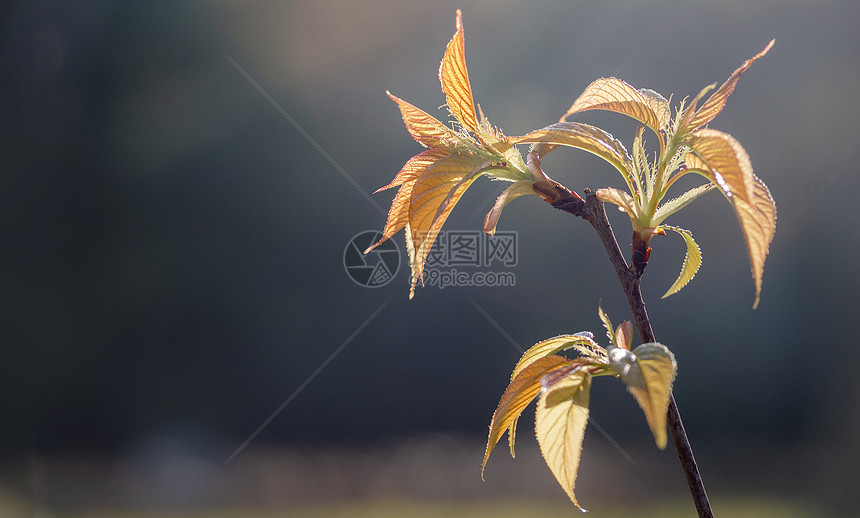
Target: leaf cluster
x=563, y=387
x=432, y=182
x=457, y=153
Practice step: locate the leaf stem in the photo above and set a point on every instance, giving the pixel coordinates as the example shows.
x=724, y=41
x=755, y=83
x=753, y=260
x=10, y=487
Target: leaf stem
x=593, y=212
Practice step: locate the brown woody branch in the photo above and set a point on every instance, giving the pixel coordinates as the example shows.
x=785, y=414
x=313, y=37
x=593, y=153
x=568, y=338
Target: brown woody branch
x=592, y=210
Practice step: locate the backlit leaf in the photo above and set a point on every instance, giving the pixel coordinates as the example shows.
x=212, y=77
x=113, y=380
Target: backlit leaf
x=757, y=216
x=514, y=191
x=560, y=420
x=580, y=136
x=618, y=197
x=416, y=165
x=717, y=100
x=674, y=205
x=659, y=105
x=641, y=169
x=758, y=222
x=607, y=324
x=650, y=379
x=423, y=127
x=684, y=123
x=584, y=344
x=512, y=437
x=624, y=335
x=692, y=261
x=398, y=213
x=613, y=94
x=524, y=387
x=455, y=80
x=727, y=161
x=434, y=195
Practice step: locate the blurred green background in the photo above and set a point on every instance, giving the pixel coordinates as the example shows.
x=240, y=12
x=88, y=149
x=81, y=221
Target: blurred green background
x=172, y=265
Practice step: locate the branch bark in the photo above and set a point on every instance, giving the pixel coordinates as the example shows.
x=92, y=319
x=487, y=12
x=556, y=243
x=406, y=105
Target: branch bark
x=593, y=212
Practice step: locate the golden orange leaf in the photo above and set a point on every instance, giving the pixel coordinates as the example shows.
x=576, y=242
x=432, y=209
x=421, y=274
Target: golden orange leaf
x=398, y=213
x=758, y=222
x=415, y=166
x=581, y=136
x=424, y=128
x=715, y=103
x=582, y=343
x=520, y=392
x=727, y=161
x=434, y=195
x=455, y=79
x=560, y=420
x=757, y=216
x=613, y=94
x=512, y=436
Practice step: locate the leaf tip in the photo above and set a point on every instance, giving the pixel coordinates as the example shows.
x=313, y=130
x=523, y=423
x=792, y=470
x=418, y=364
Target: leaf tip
x=767, y=48
x=661, y=438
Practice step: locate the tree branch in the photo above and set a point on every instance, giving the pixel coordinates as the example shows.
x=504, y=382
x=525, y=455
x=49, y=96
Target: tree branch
x=593, y=212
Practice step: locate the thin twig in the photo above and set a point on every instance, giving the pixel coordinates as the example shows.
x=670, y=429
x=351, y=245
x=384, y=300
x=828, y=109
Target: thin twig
x=593, y=212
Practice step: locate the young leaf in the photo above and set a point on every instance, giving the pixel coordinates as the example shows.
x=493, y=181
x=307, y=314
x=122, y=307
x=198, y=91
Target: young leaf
x=674, y=205
x=624, y=335
x=424, y=128
x=625, y=202
x=682, y=123
x=581, y=136
x=641, y=168
x=560, y=420
x=512, y=437
x=398, y=213
x=758, y=222
x=649, y=379
x=520, y=392
x=692, y=261
x=455, y=80
x=607, y=324
x=613, y=94
x=516, y=190
x=659, y=105
x=434, y=195
x=728, y=162
x=582, y=343
x=717, y=100
x=416, y=165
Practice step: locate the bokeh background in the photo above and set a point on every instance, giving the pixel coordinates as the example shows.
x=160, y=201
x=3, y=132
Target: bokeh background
x=172, y=261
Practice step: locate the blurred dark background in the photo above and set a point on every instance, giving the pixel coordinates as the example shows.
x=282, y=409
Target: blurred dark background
x=172, y=264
